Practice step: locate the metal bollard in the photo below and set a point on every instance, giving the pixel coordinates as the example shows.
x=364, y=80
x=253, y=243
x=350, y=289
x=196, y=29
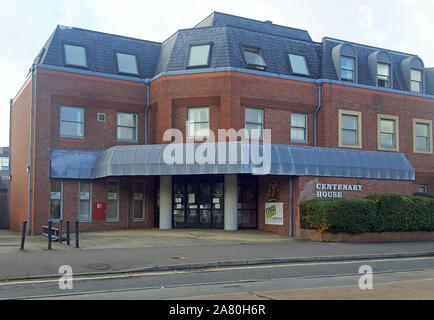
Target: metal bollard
x=76, y=235
x=50, y=231
x=23, y=236
x=68, y=242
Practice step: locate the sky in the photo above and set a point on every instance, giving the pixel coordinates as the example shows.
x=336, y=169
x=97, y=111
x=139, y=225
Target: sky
x=25, y=26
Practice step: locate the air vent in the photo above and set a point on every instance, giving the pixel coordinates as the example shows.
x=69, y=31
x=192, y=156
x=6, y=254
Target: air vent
x=102, y=117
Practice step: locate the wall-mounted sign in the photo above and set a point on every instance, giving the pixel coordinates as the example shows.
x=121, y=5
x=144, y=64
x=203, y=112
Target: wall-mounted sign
x=274, y=214
x=191, y=198
x=335, y=190
x=99, y=211
x=112, y=196
x=138, y=196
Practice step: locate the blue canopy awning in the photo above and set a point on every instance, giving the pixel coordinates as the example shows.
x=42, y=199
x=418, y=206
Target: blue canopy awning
x=229, y=158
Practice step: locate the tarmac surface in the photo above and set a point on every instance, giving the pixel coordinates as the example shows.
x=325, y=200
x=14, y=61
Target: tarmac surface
x=153, y=249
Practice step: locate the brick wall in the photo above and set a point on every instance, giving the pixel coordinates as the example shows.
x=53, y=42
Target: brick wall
x=20, y=158
x=226, y=93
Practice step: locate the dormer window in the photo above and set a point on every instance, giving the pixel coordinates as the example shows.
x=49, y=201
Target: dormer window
x=75, y=56
x=345, y=61
x=412, y=69
x=383, y=75
x=127, y=63
x=416, y=83
x=347, y=69
x=299, y=65
x=199, y=56
x=254, y=59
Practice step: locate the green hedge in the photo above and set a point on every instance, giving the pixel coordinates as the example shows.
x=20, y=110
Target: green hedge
x=376, y=213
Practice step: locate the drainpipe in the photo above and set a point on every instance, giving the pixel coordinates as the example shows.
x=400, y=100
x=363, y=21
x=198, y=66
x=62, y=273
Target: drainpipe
x=9, y=168
x=31, y=149
x=148, y=106
x=315, y=116
x=291, y=210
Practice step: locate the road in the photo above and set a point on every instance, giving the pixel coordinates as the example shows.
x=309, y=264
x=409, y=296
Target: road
x=413, y=276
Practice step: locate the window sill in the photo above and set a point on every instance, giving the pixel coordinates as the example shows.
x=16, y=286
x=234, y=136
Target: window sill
x=139, y=220
x=72, y=139
x=112, y=221
x=388, y=149
x=350, y=146
x=423, y=152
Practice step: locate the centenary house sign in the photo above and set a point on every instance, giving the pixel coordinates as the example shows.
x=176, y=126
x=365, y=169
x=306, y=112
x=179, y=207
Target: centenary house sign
x=335, y=190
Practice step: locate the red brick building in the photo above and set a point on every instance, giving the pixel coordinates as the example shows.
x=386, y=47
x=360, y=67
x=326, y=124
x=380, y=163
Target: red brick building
x=88, y=126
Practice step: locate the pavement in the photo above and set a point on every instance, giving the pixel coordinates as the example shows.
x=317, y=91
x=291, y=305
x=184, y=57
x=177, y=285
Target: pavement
x=150, y=250
x=405, y=290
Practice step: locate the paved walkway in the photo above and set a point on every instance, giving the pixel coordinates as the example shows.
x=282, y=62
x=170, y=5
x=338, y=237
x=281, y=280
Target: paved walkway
x=176, y=249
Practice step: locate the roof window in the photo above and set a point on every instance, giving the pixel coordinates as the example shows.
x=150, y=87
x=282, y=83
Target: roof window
x=75, y=56
x=199, y=56
x=127, y=63
x=298, y=64
x=254, y=59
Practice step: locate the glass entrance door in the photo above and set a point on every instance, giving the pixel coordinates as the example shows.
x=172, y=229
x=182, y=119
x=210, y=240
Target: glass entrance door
x=198, y=203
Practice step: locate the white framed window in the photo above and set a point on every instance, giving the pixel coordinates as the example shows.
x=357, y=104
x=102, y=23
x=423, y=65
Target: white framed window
x=254, y=123
x=383, y=75
x=85, y=201
x=416, y=82
x=388, y=131
x=348, y=68
x=71, y=122
x=139, y=200
x=298, y=64
x=75, y=56
x=112, y=208
x=298, y=127
x=102, y=117
x=254, y=59
x=350, y=129
x=198, y=123
x=127, y=63
x=127, y=126
x=423, y=136
x=56, y=200
x=423, y=188
x=199, y=56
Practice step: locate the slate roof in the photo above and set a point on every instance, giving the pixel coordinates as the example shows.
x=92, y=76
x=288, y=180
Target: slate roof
x=227, y=34
x=101, y=50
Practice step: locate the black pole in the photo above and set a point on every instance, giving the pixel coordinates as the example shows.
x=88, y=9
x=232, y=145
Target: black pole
x=60, y=232
x=67, y=234
x=76, y=235
x=50, y=225
x=23, y=236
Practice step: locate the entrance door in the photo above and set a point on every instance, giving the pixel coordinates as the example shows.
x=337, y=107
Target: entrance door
x=198, y=203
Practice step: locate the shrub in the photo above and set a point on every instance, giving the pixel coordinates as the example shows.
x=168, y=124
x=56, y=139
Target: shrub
x=423, y=194
x=375, y=213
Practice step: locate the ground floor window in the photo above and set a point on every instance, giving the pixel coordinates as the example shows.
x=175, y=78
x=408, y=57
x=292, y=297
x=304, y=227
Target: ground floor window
x=423, y=188
x=112, y=209
x=139, y=200
x=56, y=191
x=84, y=201
x=247, y=202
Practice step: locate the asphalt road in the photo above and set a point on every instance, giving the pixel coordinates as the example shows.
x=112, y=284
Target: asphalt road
x=250, y=281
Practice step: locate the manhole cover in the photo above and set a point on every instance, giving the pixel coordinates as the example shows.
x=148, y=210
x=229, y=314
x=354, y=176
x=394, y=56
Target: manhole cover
x=99, y=266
